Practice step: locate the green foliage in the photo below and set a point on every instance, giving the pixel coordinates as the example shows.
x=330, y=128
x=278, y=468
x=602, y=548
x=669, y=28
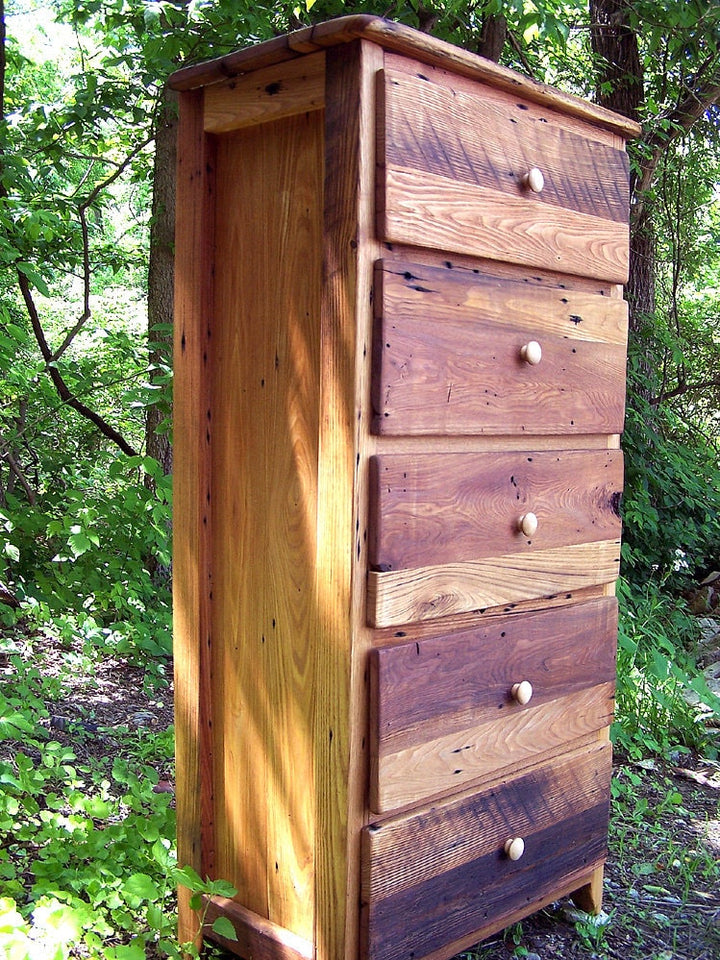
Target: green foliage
x=658, y=684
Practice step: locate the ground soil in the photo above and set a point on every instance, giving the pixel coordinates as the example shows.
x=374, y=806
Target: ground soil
x=660, y=904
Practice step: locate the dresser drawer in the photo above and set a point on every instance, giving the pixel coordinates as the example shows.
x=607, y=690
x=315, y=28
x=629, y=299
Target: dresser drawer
x=448, y=355
x=448, y=710
x=442, y=876
x=453, y=159
x=458, y=532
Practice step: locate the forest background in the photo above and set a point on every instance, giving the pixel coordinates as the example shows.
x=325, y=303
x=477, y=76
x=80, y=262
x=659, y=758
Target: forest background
x=87, y=157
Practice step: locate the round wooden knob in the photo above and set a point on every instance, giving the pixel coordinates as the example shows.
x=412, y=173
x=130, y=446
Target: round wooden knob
x=531, y=353
x=534, y=180
x=514, y=848
x=528, y=524
x=522, y=692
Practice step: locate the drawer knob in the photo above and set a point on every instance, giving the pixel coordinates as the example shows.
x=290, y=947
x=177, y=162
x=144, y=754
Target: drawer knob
x=522, y=692
x=514, y=848
x=531, y=353
x=528, y=524
x=534, y=180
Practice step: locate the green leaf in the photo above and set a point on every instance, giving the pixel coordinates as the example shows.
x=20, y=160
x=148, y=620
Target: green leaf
x=142, y=886
x=224, y=928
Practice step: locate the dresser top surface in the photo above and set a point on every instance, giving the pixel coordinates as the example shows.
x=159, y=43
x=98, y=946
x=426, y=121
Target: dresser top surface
x=400, y=39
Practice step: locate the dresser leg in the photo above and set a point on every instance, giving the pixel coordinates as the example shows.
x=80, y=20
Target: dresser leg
x=589, y=897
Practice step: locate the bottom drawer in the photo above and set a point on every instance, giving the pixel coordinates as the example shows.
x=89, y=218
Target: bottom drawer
x=441, y=878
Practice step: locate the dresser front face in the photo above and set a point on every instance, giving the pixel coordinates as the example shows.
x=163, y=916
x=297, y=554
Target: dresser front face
x=497, y=399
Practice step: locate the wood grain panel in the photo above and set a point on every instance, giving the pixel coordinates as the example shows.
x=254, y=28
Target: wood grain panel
x=256, y=937
x=297, y=86
x=434, y=509
x=406, y=290
x=265, y=414
x=191, y=492
x=409, y=775
x=470, y=136
x=405, y=596
x=435, y=877
x=424, y=688
x=427, y=210
x=447, y=356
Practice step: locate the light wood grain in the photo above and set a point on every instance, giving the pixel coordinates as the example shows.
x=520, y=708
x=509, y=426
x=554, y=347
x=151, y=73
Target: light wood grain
x=297, y=86
x=265, y=421
x=471, y=136
x=191, y=490
x=433, y=211
x=429, y=592
x=448, y=762
x=341, y=705
x=449, y=682
x=408, y=291
x=446, y=508
x=256, y=937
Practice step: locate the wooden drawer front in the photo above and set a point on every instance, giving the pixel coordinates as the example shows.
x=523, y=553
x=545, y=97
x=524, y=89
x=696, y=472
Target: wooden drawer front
x=443, y=711
x=441, y=877
x=435, y=508
x=448, y=355
x=445, y=535
x=453, y=161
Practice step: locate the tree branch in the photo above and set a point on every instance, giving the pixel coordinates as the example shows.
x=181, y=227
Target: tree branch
x=683, y=388
x=675, y=124
x=62, y=388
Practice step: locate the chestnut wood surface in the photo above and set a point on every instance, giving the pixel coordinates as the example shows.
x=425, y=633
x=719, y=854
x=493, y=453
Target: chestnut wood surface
x=439, y=875
x=191, y=492
x=447, y=356
x=269, y=94
x=265, y=412
x=475, y=136
x=446, y=508
x=448, y=682
x=449, y=761
x=425, y=593
x=428, y=210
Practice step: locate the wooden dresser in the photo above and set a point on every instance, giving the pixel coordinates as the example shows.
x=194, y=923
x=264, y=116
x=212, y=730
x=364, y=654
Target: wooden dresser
x=400, y=363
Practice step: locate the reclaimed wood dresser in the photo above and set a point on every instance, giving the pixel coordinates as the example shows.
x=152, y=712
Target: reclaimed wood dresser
x=400, y=362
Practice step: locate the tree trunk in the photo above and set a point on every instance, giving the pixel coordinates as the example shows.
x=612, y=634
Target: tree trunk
x=492, y=37
x=620, y=87
x=161, y=278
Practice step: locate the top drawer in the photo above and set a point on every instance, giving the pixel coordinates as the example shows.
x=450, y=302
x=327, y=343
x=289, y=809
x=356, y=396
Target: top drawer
x=453, y=163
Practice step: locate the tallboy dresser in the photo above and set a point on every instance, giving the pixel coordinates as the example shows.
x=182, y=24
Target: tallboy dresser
x=400, y=362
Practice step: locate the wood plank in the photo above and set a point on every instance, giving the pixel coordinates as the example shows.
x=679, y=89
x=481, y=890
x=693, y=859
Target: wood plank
x=471, y=136
x=447, y=356
x=399, y=38
x=446, y=870
x=341, y=701
x=266, y=360
x=256, y=937
x=400, y=852
x=405, y=596
x=447, y=508
x=428, y=210
x=422, y=688
x=407, y=290
x=448, y=762
x=281, y=90
x=191, y=489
